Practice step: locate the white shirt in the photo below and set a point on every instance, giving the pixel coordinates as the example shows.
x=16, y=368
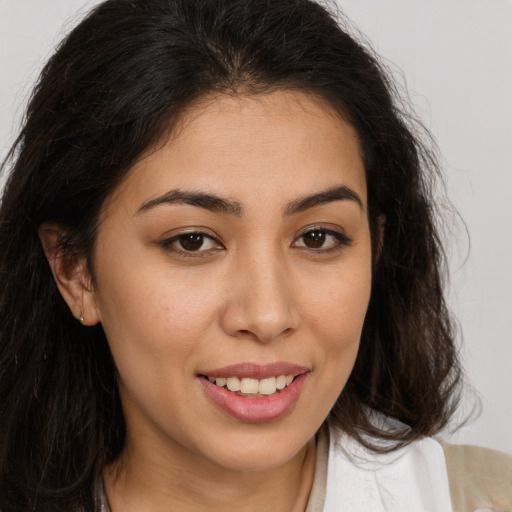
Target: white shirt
x=411, y=479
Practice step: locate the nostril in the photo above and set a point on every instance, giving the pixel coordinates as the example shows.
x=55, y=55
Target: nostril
x=259, y=334
x=245, y=333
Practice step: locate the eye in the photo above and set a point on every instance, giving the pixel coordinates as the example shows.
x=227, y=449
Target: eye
x=322, y=239
x=192, y=242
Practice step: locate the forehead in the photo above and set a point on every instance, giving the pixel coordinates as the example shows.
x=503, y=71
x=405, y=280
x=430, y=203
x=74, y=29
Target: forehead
x=249, y=147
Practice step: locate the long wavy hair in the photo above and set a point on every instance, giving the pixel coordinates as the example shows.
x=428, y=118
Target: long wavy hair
x=112, y=89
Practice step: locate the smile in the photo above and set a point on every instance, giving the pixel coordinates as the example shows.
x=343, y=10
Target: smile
x=256, y=387
x=254, y=393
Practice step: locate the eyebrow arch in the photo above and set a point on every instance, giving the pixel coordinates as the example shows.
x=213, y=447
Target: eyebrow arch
x=341, y=193
x=202, y=200
x=217, y=204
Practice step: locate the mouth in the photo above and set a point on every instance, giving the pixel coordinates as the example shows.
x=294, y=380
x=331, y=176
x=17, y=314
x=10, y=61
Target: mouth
x=252, y=388
x=255, y=393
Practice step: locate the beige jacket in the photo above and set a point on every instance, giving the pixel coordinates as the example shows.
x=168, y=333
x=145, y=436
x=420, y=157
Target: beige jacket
x=479, y=478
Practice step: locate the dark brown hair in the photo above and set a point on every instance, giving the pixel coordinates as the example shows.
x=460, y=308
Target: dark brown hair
x=111, y=90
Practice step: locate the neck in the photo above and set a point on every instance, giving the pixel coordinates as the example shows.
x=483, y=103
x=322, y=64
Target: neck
x=139, y=481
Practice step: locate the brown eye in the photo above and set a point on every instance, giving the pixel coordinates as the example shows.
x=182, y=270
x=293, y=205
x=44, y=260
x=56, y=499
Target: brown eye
x=314, y=239
x=191, y=241
x=322, y=240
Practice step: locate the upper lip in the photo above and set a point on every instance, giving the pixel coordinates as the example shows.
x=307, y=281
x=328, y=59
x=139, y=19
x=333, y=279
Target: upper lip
x=256, y=370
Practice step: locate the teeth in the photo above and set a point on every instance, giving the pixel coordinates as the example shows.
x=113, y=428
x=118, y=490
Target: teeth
x=233, y=383
x=281, y=382
x=249, y=386
x=267, y=386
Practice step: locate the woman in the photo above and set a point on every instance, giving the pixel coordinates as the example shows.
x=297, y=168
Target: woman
x=221, y=277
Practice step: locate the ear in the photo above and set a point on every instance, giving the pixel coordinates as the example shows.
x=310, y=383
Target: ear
x=70, y=274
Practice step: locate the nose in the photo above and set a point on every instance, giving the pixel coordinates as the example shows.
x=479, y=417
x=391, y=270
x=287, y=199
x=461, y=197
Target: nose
x=261, y=301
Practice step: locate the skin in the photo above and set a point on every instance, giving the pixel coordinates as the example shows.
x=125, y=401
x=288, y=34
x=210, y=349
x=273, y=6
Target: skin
x=254, y=292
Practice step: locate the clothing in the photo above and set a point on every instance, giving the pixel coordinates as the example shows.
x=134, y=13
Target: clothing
x=479, y=477
x=425, y=476
x=413, y=478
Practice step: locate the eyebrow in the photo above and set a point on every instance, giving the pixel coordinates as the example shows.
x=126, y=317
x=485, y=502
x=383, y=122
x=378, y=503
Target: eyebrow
x=218, y=204
x=202, y=200
x=341, y=193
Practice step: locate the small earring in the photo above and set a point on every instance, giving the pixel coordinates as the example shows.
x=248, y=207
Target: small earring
x=81, y=318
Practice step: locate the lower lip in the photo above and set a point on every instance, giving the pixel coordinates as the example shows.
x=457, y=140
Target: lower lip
x=255, y=410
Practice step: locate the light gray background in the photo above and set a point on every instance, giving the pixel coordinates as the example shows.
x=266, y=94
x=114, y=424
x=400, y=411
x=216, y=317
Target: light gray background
x=456, y=56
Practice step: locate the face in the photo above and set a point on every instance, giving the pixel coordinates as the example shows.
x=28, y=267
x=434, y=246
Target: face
x=236, y=255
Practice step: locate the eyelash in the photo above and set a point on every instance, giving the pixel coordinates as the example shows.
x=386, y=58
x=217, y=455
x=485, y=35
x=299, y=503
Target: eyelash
x=172, y=243
x=340, y=240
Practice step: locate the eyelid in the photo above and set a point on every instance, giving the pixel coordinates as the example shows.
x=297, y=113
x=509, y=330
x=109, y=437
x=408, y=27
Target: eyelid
x=184, y=230
x=174, y=236
x=337, y=232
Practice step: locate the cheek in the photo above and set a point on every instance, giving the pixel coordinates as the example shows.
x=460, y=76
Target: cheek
x=338, y=315
x=155, y=311
x=340, y=305
x=155, y=324
x=339, y=331
x=153, y=315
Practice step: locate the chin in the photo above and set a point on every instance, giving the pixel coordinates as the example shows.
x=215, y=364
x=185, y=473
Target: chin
x=258, y=451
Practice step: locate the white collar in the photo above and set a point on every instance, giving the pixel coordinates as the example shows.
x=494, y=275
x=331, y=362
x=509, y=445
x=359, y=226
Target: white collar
x=413, y=478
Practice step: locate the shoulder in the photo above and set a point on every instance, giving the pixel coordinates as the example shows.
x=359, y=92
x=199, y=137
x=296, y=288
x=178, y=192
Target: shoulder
x=478, y=478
